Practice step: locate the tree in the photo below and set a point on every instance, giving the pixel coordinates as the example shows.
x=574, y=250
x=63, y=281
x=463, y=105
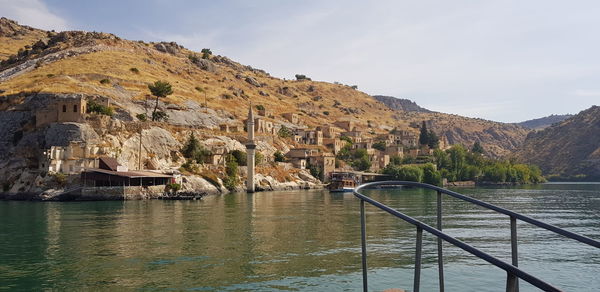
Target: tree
x=278, y=156
x=206, y=53
x=159, y=89
x=231, y=170
x=424, y=135
x=315, y=171
x=284, y=132
x=193, y=150
x=160, y=116
x=379, y=145
x=477, y=148
x=406, y=172
x=362, y=164
x=431, y=175
x=240, y=157
x=432, y=140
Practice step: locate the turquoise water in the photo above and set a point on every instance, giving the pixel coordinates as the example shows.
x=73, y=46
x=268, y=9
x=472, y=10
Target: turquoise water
x=291, y=241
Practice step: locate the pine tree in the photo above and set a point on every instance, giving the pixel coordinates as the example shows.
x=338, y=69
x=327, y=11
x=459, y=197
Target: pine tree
x=159, y=89
x=424, y=136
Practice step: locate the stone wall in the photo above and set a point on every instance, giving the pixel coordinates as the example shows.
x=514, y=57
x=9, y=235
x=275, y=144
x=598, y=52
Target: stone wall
x=122, y=193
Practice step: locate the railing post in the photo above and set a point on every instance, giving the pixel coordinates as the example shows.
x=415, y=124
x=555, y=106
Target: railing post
x=514, y=248
x=363, y=243
x=511, y=282
x=439, y=242
x=419, y=248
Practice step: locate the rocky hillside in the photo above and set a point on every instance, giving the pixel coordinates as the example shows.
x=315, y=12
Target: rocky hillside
x=569, y=149
x=542, y=123
x=38, y=67
x=498, y=139
x=400, y=104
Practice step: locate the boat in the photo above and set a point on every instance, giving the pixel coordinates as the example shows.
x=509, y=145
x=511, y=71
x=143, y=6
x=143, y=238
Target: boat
x=342, y=182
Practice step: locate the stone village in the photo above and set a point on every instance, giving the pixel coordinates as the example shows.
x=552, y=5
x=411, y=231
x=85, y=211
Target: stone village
x=316, y=149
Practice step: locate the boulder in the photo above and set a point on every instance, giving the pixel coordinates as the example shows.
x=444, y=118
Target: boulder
x=252, y=81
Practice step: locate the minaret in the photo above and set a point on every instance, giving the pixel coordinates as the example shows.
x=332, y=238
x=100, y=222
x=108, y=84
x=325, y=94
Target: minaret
x=250, y=150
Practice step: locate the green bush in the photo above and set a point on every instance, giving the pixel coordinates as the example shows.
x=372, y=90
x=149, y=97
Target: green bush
x=206, y=53
x=405, y=172
x=93, y=107
x=199, y=89
x=260, y=107
x=134, y=70
x=284, y=132
x=302, y=77
x=160, y=116
x=194, y=151
x=379, y=145
x=104, y=81
x=193, y=58
x=239, y=156
x=173, y=187
x=278, y=156
x=142, y=117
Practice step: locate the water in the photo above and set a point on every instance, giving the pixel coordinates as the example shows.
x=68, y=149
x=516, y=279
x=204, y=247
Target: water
x=291, y=241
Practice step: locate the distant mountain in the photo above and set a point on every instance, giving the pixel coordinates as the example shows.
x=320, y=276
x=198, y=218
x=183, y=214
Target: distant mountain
x=401, y=104
x=541, y=123
x=569, y=149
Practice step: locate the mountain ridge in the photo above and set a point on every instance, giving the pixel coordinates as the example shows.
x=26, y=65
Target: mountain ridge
x=544, y=122
x=569, y=149
x=46, y=63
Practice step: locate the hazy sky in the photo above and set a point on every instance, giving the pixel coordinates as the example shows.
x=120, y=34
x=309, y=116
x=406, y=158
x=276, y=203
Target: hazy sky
x=500, y=60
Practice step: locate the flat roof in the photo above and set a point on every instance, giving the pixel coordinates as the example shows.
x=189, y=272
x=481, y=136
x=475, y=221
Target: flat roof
x=129, y=174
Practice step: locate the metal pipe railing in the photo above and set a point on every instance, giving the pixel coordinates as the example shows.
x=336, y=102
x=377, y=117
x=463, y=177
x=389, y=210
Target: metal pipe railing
x=512, y=270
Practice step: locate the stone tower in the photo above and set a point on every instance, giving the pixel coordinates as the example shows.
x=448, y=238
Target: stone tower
x=250, y=150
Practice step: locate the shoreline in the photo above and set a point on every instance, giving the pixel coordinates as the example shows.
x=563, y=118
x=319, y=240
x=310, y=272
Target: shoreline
x=60, y=196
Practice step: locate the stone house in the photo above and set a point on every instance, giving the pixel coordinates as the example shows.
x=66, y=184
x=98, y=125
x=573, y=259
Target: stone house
x=407, y=138
x=62, y=111
x=265, y=112
x=70, y=159
x=216, y=157
x=329, y=131
x=229, y=128
x=299, y=156
x=394, y=150
x=355, y=136
x=311, y=137
x=292, y=118
x=335, y=144
x=379, y=160
x=363, y=145
x=262, y=125
x=346, y=125
x=323, y=161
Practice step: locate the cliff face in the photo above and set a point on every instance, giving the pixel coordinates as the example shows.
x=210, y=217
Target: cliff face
x=570, y=149
x=400, y=104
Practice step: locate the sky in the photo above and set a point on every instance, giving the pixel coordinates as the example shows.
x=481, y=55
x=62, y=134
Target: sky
x=506, y=61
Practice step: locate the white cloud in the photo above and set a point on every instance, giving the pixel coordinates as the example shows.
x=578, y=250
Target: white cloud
x=33, y=13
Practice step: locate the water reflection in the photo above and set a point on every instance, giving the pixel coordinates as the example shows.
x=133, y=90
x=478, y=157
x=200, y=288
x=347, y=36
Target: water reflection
x=307, y=240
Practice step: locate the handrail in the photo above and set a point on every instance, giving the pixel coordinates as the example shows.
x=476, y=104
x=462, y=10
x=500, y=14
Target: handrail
x=512, y=270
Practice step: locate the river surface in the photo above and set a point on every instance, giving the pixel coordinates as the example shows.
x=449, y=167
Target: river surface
x=292, y=241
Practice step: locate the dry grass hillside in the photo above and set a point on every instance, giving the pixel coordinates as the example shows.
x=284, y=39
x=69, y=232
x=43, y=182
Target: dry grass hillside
x=105, y=65
x=569, y=149
x=14, y=37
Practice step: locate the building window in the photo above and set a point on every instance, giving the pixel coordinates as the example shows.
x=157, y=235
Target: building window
x=74, y=108
x=64, y=108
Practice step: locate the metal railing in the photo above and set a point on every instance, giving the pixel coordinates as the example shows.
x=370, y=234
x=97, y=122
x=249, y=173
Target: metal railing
x=513, y=273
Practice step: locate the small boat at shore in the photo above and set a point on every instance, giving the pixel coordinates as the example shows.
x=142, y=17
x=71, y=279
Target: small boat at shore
x=342, y=182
